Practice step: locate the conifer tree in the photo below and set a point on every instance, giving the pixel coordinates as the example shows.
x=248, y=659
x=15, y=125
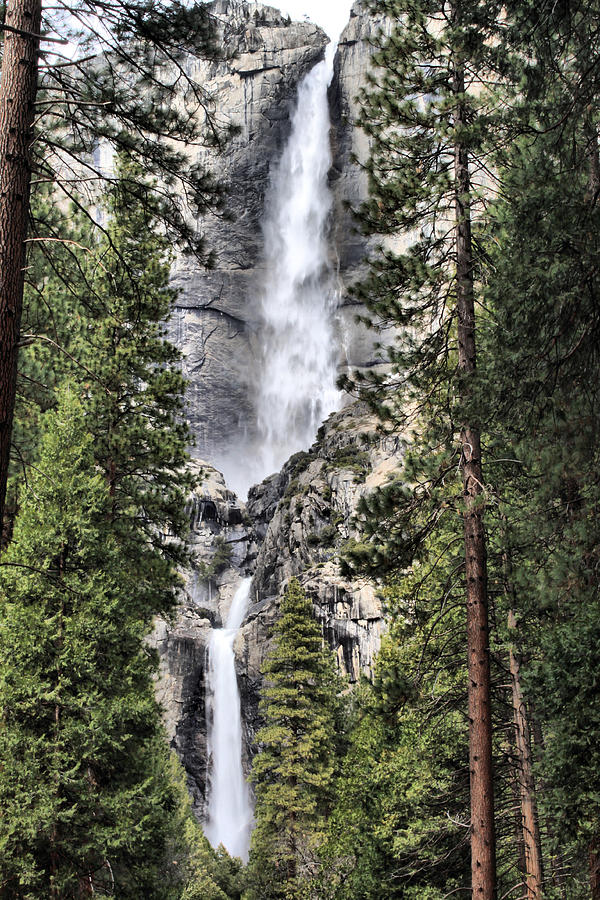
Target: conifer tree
x=119, y=88
x=426, y=115
x=85, y=801
x=400, y=827
x=402, y=799
x=135, y=394
x=294, y=767
x=122, y=525
x=541, y=390
x=100, y=320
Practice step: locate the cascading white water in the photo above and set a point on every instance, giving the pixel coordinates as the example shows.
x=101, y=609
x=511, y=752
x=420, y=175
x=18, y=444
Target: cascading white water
x=295, y=392
x=229, y=807
x=299, y=348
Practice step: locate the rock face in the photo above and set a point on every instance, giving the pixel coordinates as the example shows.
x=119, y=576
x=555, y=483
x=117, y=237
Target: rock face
x=297, y=521
x=215, y=319
x=219, y=543
x=348, y=177
x=295, y=524
x=302, y=517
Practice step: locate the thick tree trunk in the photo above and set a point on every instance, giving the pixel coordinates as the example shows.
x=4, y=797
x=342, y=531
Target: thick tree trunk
x=483, y=841
x=529, y=817
x=18, y=86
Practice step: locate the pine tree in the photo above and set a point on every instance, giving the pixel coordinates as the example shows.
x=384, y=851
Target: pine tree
x=400, y=827
x=84, y=798
x=397, y=828
x=120, y=88
x=135, y=394
x=75, y=625
x=100, y=320
x=428, y=117
x=294, y=767
x=541, y=391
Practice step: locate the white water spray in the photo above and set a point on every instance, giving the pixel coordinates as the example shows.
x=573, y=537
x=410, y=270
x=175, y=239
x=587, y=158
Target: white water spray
x=295, y=392
x=229, y=808
x=299, y=348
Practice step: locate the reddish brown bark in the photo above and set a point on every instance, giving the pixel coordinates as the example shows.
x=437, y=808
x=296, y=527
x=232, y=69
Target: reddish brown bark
x=483, y=841
x=534, y=878
x=594, y=163
x=18, y=86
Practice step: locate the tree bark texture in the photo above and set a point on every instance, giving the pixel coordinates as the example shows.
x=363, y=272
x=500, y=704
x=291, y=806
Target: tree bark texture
x=534, y=878
x=594, y=163
x=483, y=841
x=18, y=87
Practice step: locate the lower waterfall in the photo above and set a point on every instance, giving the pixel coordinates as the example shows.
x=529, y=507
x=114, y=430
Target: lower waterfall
x=229, y=808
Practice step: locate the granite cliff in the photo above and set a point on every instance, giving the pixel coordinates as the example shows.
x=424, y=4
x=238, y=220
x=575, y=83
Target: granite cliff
x=216, y=318
x=296, y=521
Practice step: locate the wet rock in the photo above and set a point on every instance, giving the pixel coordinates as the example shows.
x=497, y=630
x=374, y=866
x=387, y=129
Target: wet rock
x=219, y=542
x=301, y=519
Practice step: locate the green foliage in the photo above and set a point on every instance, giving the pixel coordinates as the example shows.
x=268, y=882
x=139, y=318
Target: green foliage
x=542, y=393
x=99, y=321
x=220, y=560
x=131, y=89
x=399, y=825
x=82, y=783
x=192, y=869
x=535, y=393
x=86, y=794
x=294, y=767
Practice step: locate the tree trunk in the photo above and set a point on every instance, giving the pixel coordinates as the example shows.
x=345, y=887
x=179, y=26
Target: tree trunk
x=483, y=841
x=559, y=872
x=529, y=817
x=515, y=788
x=18, y=86
x=594, y=163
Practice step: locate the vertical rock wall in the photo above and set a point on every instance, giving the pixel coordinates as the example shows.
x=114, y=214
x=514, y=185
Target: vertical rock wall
x=254, y=88
x=349, y=179
x=215, y=319
x=296, y=522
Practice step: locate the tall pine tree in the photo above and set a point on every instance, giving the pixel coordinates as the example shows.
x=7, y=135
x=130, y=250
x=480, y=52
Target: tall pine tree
x=294, y=767
x=427, y=118
x=85, y=801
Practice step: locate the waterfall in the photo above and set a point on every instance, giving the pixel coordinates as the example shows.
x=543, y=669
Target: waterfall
x=229, y=808
x=295, y=392
x=298, y=347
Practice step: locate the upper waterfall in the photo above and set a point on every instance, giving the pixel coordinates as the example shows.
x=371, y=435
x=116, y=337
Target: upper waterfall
x=298, y=345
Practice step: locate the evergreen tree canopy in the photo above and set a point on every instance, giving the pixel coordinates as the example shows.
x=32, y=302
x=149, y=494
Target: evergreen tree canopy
x=82, y=786
x=294, y=767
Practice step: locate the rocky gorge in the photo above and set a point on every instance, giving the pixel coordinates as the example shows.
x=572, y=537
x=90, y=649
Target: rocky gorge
x=296, y=521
